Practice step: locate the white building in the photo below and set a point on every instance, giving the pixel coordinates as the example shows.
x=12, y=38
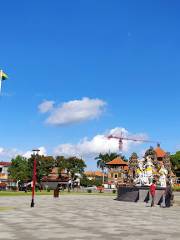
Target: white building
x=4, y=174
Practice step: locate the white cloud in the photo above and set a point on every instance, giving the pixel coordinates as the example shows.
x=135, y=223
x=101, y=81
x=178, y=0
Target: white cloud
x=27, y=154
x=73, y=111
x=41, y=152
x=98, y=144
x=7, y=154
x=1, y=150
x=46, y=106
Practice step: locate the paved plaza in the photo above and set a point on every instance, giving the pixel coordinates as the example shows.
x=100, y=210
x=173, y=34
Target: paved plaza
x=86, y=217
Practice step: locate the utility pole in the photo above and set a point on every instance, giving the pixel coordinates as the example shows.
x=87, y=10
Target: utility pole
x=35, y=151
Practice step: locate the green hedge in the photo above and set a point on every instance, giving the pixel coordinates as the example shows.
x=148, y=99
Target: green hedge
x=176, y=188
x=89, y=191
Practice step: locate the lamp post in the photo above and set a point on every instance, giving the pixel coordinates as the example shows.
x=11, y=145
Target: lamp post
x=34, y=175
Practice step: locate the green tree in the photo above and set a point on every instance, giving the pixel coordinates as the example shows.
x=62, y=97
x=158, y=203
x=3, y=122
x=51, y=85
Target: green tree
x=72, y=165
x=175, y=160
x=19, y=169
x=44, y=167
x=102, y=159
x=89, y=183
x=85, y=182
x=60, y=163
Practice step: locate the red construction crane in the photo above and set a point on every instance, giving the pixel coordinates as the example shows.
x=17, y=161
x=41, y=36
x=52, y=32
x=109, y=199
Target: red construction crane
x=121, y=138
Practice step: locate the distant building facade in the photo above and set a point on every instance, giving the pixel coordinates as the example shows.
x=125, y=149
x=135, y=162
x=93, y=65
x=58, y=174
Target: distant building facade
x=4, y=181
x=117, y=172
x=94, y=175
x=54, y=178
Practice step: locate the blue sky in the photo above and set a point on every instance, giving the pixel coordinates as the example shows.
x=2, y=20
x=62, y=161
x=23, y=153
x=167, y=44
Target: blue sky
x=123, y=57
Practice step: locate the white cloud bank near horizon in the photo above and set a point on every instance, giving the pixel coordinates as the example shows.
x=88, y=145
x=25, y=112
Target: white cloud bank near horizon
x=8, y=154
x=99, y=144
x=74, y=111
x=42, y=151
x=85, y=148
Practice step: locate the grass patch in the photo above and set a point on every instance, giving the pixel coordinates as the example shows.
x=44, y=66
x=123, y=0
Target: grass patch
x=43, y=193
x=11, y=193
x=5, y=208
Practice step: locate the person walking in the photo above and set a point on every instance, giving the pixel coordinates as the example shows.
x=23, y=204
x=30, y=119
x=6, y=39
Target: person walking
x=69, y=185
x=153, y=192
x=168, y=195
x=56, y=191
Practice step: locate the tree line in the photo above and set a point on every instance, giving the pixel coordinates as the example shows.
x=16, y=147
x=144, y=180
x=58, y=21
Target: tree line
x=102, y=159
x=21, y=168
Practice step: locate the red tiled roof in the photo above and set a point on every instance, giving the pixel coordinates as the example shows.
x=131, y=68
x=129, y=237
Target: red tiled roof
x=159, y=152
x=117, y=161
x=94, y=174
x=5, y=164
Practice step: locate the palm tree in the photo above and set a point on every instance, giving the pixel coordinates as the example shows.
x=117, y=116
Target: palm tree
x=102, y=159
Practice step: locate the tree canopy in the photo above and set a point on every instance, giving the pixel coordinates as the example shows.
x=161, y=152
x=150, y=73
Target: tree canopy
x=175, y=160
x=60, y=163
x=22, y=168
x=71, y=165
x=102, y=159
x=45, y=165
x=19, y=169
x=74, y=165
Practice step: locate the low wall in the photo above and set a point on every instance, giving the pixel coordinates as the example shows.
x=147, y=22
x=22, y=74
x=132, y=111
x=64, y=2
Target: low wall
x=141, y=194
x=53, y=185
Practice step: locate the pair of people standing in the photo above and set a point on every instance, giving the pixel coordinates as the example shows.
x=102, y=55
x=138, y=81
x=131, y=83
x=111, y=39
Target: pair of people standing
x=166, y=198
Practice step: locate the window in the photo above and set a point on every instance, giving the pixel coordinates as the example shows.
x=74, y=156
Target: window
x=115, y=176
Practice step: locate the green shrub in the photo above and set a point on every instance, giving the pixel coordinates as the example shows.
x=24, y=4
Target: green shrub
x=48, y=189
x=85, y=181
x=100, y=189
x=176, y=188
x=89, y=190
x=97, y=182
x=14, y=188
x=94, y=182
x=114, y=191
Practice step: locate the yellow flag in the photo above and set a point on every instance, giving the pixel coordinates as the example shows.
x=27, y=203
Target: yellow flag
x=3, y=75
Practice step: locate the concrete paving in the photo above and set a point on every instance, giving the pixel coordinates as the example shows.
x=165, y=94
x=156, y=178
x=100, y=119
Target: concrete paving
x=86, y=217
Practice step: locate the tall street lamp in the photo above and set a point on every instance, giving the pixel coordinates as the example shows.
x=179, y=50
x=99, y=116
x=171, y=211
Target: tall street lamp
x=35, y=151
